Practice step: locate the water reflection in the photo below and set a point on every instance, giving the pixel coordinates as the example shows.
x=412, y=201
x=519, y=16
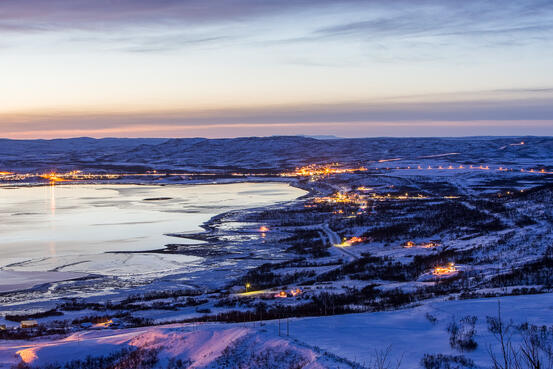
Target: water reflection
x=52, y=243
x=52, y=199
x=76, y=227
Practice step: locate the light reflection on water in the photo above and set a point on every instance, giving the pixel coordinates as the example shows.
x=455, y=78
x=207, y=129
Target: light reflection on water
x=52, y=199
x=52, y=222
x=70, y=227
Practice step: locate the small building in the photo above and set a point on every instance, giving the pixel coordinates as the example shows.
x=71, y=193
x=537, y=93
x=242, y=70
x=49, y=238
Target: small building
x=3, y=327
x=28, y=324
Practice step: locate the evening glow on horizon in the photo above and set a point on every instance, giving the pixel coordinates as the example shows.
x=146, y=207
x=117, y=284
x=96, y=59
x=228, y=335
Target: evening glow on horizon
x=351, y=68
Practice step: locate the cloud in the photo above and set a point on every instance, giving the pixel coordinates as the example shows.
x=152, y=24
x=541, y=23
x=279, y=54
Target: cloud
x=161, y=43
x=143, y=25
x=402, y=23
x=523, y=106
x=101, y=14
x=346, y=35
x=491, y=22
x=402, y=17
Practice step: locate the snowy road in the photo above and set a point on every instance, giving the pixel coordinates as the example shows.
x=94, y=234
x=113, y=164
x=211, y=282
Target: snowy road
x=335, y=240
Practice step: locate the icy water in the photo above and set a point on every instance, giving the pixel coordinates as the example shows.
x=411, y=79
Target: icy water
x=75, y=228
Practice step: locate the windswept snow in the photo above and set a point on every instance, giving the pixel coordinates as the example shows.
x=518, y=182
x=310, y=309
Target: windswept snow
x=209, y=347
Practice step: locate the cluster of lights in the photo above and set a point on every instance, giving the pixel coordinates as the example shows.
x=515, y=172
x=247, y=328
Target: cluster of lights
x=278, y=294
x=54, y=177
x=360, y=200
x=344, y=198
x=341, y=198
x=470, y=167
x=445, y=270
x=424, y=245
x=508, y=193
x=364, y=189
x=292, y=293
x=76, y=175
x=317, y=170
x=405, y=196
x=10, y=176
x=322, y=170
x=347, y=242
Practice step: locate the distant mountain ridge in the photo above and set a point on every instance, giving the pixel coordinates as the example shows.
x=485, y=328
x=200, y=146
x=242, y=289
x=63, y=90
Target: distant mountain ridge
x=258, y=153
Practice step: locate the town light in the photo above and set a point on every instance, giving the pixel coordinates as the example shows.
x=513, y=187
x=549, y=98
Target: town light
x=348, y=242
x=445, y=270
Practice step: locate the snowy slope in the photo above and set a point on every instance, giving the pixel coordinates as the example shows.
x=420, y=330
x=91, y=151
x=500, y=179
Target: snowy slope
x=208, y=347
x=276, y=152
x=319, y=342
x=411, y=334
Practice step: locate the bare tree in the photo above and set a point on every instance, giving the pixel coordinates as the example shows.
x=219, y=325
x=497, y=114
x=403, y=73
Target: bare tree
x=507, y=358
x=383, y=359
x=534, y=352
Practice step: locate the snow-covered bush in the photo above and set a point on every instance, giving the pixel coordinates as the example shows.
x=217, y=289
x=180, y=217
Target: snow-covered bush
x=461, y=333
x=440, y=361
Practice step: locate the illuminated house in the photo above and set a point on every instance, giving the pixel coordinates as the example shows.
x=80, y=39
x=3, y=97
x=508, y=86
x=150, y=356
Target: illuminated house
x=29, y=324
x=449, y=269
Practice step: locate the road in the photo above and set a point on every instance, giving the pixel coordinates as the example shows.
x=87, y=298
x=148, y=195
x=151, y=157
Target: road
x=335, y=240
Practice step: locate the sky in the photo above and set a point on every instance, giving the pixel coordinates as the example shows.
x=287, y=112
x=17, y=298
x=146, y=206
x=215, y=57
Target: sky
x=350, y=68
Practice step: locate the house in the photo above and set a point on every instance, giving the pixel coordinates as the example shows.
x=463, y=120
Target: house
x=28, y=324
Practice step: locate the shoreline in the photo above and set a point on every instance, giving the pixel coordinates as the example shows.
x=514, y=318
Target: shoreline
x=204, y=237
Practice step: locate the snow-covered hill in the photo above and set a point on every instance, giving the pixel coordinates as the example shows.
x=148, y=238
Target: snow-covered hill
x=177, y=346
x=271, y=153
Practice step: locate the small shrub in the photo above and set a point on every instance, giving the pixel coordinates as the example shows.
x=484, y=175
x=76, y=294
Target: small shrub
x=431, y=318
x=440, y=361
x=461, y=334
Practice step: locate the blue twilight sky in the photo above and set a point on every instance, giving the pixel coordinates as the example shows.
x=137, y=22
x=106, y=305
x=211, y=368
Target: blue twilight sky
x=162, y=68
